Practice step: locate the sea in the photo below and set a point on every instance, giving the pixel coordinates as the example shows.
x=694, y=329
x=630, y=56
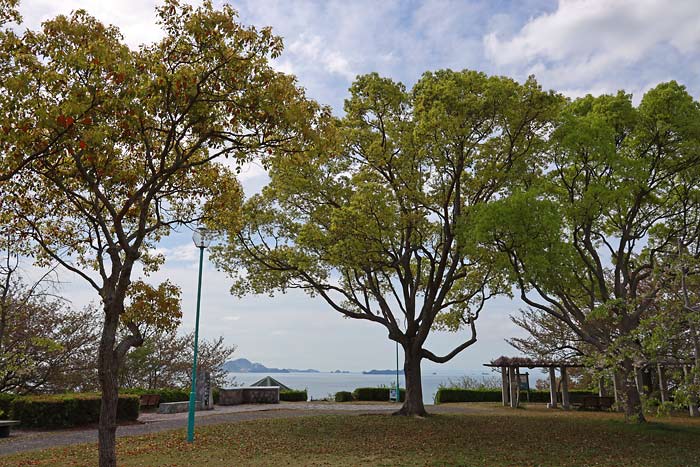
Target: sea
x=324, y=385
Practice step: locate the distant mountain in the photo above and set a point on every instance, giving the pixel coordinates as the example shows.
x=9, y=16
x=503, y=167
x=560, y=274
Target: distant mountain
x=243, y=365
x=380, y=372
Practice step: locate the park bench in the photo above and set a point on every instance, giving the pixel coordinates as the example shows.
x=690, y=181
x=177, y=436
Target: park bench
x=596, y=403
x=149, y=400
x=5, y=427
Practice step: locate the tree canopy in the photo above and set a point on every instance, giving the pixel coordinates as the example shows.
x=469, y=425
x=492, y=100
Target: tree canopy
x=578, y=241
x=367, y=218
x=110, y=149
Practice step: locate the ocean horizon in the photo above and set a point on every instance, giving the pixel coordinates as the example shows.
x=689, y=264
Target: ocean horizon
x=324, y=385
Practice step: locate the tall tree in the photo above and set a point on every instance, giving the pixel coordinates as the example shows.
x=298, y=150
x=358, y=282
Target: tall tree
x=367, y=218
x=144, y=160
x=576, y=241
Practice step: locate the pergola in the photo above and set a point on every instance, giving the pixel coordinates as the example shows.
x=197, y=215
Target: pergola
x=510, y=375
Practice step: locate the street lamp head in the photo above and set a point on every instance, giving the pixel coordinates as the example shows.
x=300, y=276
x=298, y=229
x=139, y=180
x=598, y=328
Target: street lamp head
x=201, y=237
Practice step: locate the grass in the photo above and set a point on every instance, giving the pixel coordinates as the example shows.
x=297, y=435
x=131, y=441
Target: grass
x=489, y=436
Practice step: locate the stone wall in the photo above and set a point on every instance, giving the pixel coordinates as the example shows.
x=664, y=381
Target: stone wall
x=250, y=395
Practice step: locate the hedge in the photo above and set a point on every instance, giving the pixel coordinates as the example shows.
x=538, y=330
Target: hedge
x=6, y=405
x=445, y=395
x=166, y=394
x=294, y=396
x=68, y=410
x=376, y=394
x=169, y=394
x=343, y=396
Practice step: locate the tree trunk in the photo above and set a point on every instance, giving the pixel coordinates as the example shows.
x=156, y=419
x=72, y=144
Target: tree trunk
x=693, y=406
x=413, y=404
x=631, y=400
x=107, y=372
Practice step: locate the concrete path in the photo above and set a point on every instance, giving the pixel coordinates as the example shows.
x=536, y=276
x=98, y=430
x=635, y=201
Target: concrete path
x=29, y=440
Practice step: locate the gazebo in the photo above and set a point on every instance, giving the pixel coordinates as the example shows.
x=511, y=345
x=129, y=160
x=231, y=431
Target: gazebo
x=510, y=377
x=270, y=381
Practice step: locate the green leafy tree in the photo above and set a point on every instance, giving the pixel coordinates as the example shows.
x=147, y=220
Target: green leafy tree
x=367, y=218
x=575, y=242
x=143, y=134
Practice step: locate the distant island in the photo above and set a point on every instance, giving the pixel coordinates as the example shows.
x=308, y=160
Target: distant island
x=243, y=365
x=381, y=372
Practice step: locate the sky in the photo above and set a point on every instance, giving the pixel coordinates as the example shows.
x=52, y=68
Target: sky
x=574, y=46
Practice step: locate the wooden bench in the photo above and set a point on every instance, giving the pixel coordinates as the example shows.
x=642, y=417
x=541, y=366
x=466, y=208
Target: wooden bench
x=596, y=403
x=149, y=400
x=5, y=427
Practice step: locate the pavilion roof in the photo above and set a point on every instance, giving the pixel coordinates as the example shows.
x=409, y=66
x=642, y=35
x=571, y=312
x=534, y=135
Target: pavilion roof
x=502, y=361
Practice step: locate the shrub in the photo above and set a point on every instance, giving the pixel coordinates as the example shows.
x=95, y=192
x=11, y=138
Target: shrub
x=445, y=395
x=343, y=396
x=294, y=396
x=376, y=394
x=6, y=405
x=67, y=410
x=166, y=394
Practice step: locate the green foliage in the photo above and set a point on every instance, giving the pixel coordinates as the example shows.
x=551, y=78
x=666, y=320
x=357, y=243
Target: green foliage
x=68, y=410
x=445, y=395
x=6, y=405
x=344, y=396
x=294, y=396
x=584, y=241
x=366, y=216
x=376, y=394
x=166, y=394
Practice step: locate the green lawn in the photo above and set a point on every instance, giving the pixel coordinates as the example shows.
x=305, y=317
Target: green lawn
x=496, y=437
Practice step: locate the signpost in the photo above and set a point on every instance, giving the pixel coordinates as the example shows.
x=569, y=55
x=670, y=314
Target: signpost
x=524, y=384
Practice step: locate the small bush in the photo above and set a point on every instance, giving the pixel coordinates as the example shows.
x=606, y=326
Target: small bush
x=166, y=394
x=343, y=396
x=294, y=396
x=68, y=410
x=445, y=395
x=376, y=394
x=6, y=405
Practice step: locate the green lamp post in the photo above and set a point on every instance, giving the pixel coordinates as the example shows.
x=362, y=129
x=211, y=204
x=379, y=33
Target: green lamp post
x=201, y=239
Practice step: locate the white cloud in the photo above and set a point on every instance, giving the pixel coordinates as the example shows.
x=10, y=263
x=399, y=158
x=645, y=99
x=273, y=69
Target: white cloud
x=136, y=19
x=587, y=41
